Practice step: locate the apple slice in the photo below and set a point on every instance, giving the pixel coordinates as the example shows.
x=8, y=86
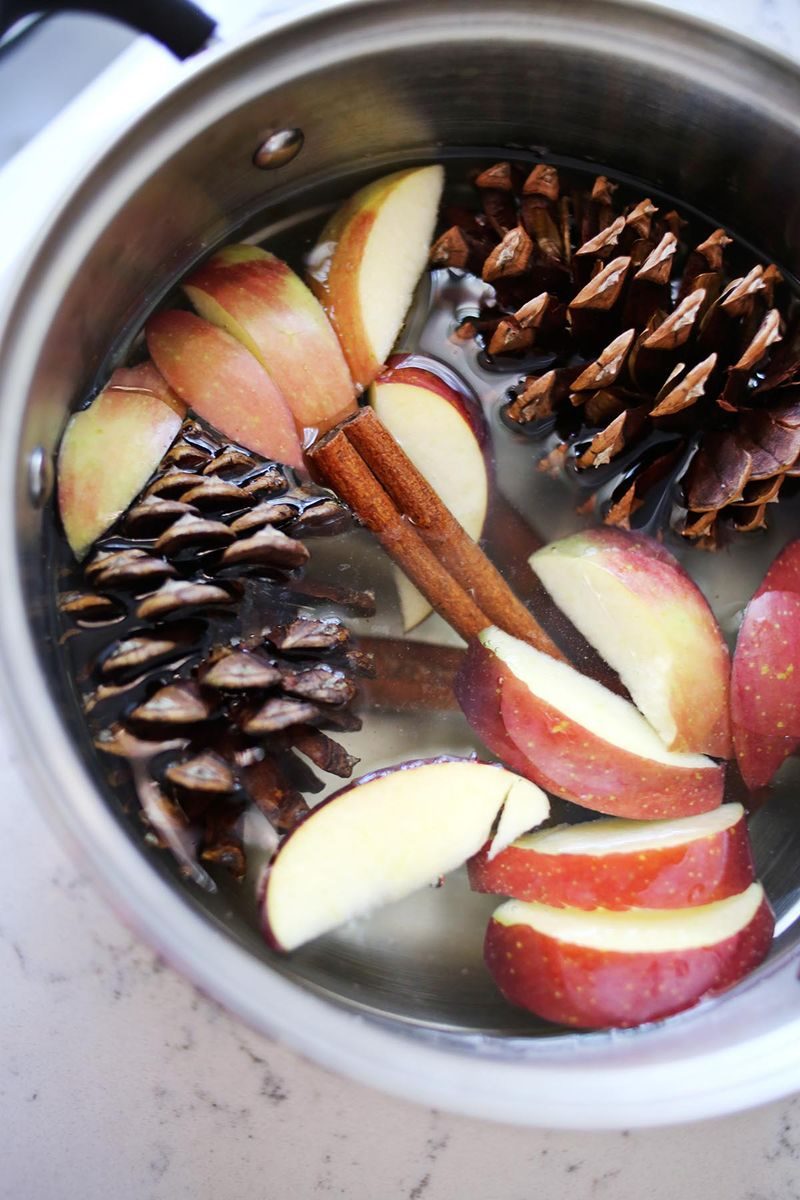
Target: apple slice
x=765, y=688
x=110, y=449
x=618, y=864
x=262, y=303
x=224, y=384
x=784, y=574
x=441, y=428
x=368, y=259
x=578, y=739
x=616, y=969
x=641, y=612
x=765, y=685
x=761, y=755
x=386, y=835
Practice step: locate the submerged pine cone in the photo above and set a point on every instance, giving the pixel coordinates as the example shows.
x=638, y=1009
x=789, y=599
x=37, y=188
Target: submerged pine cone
x=673, y=387
x=197, y=668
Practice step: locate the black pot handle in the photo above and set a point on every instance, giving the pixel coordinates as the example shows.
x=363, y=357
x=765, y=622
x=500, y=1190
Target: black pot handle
x=179, y=24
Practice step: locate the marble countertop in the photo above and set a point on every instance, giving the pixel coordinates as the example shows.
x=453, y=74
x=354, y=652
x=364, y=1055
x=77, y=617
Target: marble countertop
x=117, y=1078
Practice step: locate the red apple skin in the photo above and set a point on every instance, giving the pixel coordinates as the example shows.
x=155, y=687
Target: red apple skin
x=587, y=988
x=765, y=683
x=283, y=318
x=417, y=370
x=478, y=688
x=224, y=384
x=355, y=225
x=784, y=574
x=765, y=686
x=760, y=757
x=697, y=872
x=569, y=761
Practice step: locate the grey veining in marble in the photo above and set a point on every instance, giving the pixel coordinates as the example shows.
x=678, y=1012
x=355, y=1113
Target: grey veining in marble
x=117, y=1079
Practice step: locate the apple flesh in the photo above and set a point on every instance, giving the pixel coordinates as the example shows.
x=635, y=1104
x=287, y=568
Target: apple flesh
x=387, y=835
x=258, y=299
x=638, y=608
x=441, y=429
x=617, y=864
x=368, y=260
x=602, y=969
x=576, y=738
x=224, y=384
x=110, y=449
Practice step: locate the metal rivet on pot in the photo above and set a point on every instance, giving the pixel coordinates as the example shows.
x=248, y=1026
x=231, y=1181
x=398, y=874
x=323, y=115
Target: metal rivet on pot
x=40, y=476
x=278, y=149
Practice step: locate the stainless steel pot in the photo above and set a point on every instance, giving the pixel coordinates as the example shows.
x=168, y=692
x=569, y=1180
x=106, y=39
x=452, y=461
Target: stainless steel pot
x=698, y=114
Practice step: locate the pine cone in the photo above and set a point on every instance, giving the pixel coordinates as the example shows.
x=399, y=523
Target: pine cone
x=180, y=675
x=657, y=370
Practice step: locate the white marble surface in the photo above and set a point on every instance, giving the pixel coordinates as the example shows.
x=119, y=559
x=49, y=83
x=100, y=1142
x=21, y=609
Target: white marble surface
x=118, y=1079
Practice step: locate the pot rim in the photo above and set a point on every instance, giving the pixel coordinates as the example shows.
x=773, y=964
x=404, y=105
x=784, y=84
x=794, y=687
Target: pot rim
x=555, y=1087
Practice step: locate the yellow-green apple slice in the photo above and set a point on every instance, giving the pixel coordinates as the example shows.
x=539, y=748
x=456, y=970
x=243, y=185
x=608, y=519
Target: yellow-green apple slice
x=574, y=737
x=261, y=302
x=765, y=685
x=439, y=425
x=617, y=864
x=638, y=608
x=368, y=259
x=385, y=836
x=605, y=969
x=110, y=449
x=224, y=384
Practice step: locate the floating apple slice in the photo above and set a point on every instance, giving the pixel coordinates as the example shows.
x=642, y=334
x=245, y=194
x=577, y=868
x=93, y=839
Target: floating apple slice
x=441, y=429
x=619, y=864
x=600, y=969
x=784, y=574
x=110, y=449
x=638, y=608
x=765, y=689
x=224, y=384
x=221, y=381
x=577, y=739
x=765, y=685
x=145, y=377
x=478, y=687
x=262, y=303
x=386, y=835
x=368, y=259
x=760, y=755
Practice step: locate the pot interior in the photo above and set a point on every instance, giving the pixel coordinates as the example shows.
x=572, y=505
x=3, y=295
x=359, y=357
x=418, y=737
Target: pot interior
x=640, y=96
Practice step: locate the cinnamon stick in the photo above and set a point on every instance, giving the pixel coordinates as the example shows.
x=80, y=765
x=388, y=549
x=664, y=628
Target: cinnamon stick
x=351, y=478
x=454, y=569
x=410, y=675
x=452, y=545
